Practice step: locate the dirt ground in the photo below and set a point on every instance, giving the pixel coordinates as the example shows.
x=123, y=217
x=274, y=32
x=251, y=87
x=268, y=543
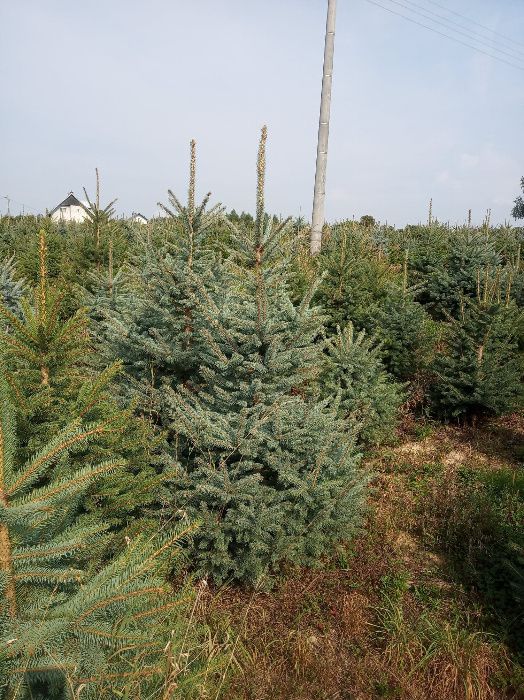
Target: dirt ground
x=384, y=617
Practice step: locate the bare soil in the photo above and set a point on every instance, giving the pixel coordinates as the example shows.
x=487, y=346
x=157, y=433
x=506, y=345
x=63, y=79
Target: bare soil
x=384, y=617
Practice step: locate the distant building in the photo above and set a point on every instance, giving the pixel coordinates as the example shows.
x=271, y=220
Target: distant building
x=71, y=209
x=138, y=218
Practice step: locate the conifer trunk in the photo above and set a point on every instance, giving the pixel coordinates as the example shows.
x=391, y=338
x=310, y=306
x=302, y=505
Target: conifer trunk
x=6, y=567
x=259, y=230
x=6, y=561
x=97, y=209
x=44, y=371
x=188, y=329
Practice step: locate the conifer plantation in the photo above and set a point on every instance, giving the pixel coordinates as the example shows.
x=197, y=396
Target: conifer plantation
x=229, y=469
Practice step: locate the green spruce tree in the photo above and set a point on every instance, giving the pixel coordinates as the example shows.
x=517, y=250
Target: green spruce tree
x=446, y=265
x=69, y=627
x=407, y=333
x=356, y=276
x=518, y=210
x=98, y=217
x=365, y=395
x=479, y=372
x=45, y=357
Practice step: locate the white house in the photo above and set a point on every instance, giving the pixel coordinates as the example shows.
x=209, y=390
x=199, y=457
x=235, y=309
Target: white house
x=71, y=209
x=138, y=218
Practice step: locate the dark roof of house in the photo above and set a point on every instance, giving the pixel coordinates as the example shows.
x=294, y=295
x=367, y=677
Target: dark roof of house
x=136, y=214
x=69, y=201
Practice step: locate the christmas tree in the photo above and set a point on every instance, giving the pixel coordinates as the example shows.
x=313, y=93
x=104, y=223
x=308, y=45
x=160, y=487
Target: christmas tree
x=408, y=337
x=266, y=466
x=356, y=277
x=151, y=325
x=12, y=288
x=45, y=359
x=67, y=625
x=446, y=265
x=407, y=333
x=480, y=370
x=366, y=395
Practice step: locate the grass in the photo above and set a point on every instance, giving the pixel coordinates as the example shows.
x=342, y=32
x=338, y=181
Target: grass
x=443, y=656
x=392, y=615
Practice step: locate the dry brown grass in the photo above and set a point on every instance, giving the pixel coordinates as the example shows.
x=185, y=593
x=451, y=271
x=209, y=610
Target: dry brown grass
x=382, y=619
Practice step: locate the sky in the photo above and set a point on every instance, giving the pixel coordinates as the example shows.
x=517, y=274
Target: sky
x=123, y=85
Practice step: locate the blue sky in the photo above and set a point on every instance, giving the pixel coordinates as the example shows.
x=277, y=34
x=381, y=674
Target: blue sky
x=125, y=84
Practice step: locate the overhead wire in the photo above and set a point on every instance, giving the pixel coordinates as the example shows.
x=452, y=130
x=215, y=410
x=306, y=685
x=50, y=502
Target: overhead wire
x=475, y=36
x=22, y=204
x=469, y=19
x=447, y=36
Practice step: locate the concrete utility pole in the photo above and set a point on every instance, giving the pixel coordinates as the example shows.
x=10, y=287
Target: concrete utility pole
x=319, y=196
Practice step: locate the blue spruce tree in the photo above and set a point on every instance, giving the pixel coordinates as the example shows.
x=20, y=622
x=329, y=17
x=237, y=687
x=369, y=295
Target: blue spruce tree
x=266, y=466
x=150, y=323
x=12, y=288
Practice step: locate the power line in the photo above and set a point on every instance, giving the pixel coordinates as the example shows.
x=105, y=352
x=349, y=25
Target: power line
x=447, y=36
x=475, y=36
x=22, y=204
x=453, y=12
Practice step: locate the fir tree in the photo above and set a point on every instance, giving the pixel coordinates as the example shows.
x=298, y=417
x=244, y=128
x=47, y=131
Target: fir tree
x=407, y=333
x=518, y=210
x=68, y=626
x=103, y=293
x=151, y=326
x=265, y=465
x=45, y=358
x=408, y=337
x=366, y=396
x=361, y=287
x=98, y=217
x=356, y=277
x=41, y=351
x=480, y=371
x=12, y=288
x=447, y=267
